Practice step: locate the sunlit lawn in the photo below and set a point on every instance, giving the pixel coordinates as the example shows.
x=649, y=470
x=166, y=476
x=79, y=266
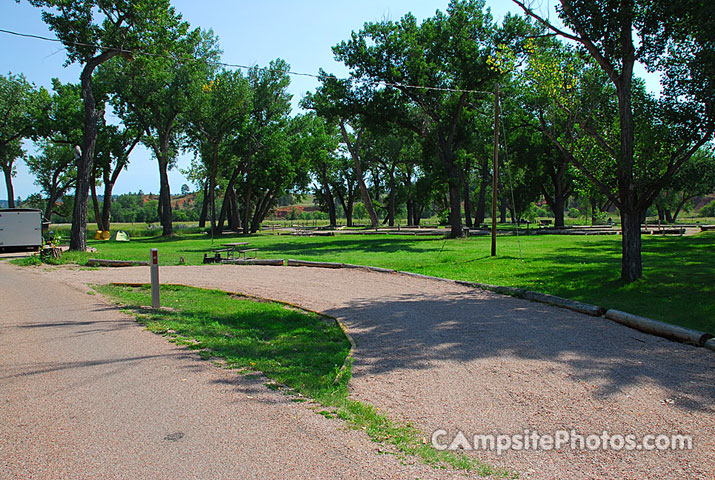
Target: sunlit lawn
x=678, y=284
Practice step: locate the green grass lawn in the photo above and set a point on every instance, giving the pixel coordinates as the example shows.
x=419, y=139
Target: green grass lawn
x=299, y=350
x=678, y=284
x=296, y=348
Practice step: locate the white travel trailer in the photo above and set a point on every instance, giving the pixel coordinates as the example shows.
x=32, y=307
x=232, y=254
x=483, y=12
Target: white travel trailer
x=20, y=227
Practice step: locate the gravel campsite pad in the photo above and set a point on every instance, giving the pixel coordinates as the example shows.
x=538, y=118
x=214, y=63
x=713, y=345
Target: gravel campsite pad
x=447, y=357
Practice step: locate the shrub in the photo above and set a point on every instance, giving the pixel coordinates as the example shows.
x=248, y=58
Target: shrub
x=707, y=210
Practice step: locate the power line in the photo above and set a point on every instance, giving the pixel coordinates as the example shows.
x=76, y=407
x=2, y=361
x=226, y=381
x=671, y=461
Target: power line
x=236, y=65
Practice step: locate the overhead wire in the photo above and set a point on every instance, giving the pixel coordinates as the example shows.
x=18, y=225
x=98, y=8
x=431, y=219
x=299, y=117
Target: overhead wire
x=234, y=65
x=246, y=67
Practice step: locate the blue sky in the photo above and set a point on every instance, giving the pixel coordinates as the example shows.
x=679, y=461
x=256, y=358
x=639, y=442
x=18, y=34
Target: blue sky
x=250, y=33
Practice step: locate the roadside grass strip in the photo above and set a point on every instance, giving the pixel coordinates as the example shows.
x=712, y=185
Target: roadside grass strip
x=302, y=353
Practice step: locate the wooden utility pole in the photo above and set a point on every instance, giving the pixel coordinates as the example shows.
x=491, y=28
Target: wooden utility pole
x=495, y=170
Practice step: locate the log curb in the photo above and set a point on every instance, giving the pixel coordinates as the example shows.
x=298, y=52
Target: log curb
x=553, y=300
x=370, y=269
x=307, y=263
x=662, y=329
x=101, y=262
x=278, y=262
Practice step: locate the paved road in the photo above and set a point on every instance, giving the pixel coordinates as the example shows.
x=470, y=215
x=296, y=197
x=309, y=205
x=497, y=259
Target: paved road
x=86, y=393
x=449, y=357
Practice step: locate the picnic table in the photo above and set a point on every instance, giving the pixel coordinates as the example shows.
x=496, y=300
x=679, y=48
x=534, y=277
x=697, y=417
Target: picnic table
x=232, y=249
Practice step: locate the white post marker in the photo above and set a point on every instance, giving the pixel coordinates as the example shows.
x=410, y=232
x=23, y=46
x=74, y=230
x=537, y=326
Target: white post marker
x=154, y=278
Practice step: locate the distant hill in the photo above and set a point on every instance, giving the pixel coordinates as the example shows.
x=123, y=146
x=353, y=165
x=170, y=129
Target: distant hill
x=282, y=212
x=177, y=201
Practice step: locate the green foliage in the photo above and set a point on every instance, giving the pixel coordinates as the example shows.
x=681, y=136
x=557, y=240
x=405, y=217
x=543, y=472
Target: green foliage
x=644, y=140
x=695, y=178
x=269, y=167
x=155, y=91
x=218, y=112
x=451, y=50
x=88, y=28
x=359, y=210
x=707, y=210
x=23, y=108
x=54, y=170
x=574, y=213
x=292, y=214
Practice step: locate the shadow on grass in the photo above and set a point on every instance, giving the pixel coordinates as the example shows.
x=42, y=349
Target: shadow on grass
x=302, y=350
x=677, y=284
x=371, y=245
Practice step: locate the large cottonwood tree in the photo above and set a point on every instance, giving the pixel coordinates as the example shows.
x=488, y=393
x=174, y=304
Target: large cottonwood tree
x=673, y=37
x=155, y=91
x=22, y=109
x=94, y=31
x=430, y=68
x=217, y=114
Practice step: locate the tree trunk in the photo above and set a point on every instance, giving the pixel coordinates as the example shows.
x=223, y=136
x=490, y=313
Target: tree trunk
x=419, y=208
x=410, y=212
x=204, y=206
x=502, y=211
x=328, y=197
x=165, y=197
x=261, y=211
x=631, y=266
x=78, y=235
x=349, y=210
x=234, y=222
x=230, y=209
x=679, y=208
x=354, y=153
x=225, y=207
x=391, y=201
x=347, y=203
x=107, y=205
x=558, y=209
x=8, y=185
x=481, y=200
x=512, y=214
x=467, y=206
x=332, y=214
x=455, y=200
x=95, y=203
x=50, y=206
x=247, y=210
x=212, y=188
x=661, y=213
